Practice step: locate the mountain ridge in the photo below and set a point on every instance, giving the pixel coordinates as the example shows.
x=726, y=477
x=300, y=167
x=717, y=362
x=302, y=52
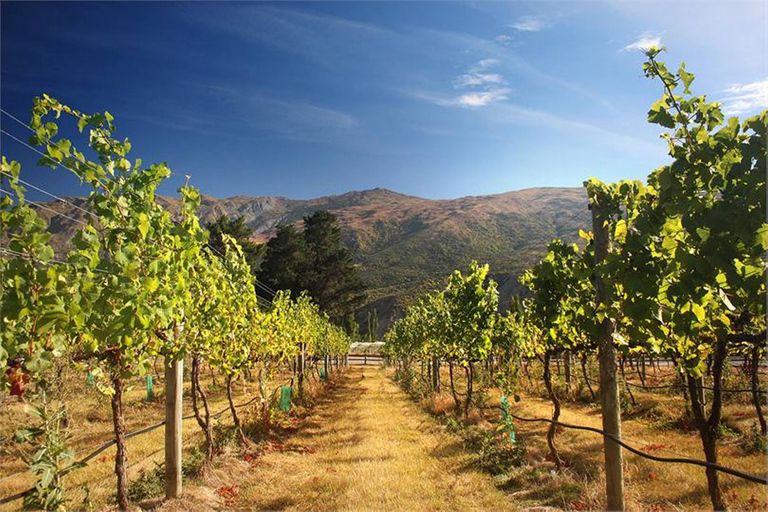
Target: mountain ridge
x=405, y=244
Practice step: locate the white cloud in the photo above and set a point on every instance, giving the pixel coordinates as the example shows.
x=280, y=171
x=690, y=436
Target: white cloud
x=481, y=99
x=529, y=24
x=505, y=40
x=475, y=79
x=480, y=86
x=645, y=41
x=484, y=64
x=745, y=98
x=472, y=99
x=508, y=113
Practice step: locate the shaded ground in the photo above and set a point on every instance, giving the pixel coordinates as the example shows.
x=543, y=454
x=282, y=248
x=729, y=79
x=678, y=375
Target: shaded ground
x=367, y=446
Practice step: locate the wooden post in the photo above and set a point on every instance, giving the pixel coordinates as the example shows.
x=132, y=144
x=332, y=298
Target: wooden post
x=301, y=365
x=568, y=369
x=609, y=384
x=174, y=374
x=436, y=374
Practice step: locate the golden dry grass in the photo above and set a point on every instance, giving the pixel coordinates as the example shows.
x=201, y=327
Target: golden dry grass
x=91, y=425
x=367, y=446
x=649, y=485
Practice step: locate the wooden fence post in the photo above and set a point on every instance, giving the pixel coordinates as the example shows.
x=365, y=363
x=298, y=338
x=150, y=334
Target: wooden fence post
x=301, y=364
x=609, y=384
x=174, y=382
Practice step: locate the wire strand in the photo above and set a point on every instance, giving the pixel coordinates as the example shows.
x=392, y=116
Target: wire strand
x=11, y=252
x=38, y=152
x=44, y=207
x=562, y=225
x=49, y=194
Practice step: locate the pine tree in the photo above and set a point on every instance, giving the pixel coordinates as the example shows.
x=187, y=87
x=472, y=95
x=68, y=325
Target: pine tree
x=330, y=274
x=315, y=261
x=284, y=260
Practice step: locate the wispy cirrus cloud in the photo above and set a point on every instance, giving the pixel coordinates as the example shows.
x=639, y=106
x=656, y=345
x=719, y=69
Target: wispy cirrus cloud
x=481, y=87
x=472, y=99
x=506, y=41
x=483, y=98
x=643, y=42
x=509, y=113
x=530, y=24
x=293, y=31
x=511, y=59
x=745, y=98
x=477, y=79
x=270, y=115
x=485, y=64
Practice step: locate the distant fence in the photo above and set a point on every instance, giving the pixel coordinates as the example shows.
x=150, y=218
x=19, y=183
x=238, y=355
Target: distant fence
x=365, y=359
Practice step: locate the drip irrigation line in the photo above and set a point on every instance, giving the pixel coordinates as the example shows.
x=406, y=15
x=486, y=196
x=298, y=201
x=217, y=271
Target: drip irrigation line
x=679, y=460
x=681, y=385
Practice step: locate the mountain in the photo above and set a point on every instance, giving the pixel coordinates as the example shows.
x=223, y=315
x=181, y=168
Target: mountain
x=406, y=244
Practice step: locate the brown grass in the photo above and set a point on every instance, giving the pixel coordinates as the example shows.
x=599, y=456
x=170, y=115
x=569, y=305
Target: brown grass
x=367, y=446
x=91, y=425
x=649, y=485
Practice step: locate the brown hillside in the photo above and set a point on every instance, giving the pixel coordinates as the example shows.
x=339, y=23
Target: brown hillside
x=405, y=244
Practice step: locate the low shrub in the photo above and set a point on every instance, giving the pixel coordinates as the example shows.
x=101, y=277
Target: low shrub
x=149, y=484
x=754, y=441
x=490, y=451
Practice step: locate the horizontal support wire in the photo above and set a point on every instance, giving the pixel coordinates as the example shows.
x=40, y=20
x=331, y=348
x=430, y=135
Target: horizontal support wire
x=77, y=465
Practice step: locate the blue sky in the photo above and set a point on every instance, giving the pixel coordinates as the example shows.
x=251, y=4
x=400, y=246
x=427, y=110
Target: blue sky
x=438, y=100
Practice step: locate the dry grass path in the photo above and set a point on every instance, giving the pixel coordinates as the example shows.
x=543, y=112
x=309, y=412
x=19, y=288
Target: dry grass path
x=367, y=446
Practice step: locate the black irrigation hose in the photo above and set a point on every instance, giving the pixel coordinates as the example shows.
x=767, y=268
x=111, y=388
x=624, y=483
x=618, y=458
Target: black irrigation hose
x=680, y=460
x=680, y=385
x=82, y=462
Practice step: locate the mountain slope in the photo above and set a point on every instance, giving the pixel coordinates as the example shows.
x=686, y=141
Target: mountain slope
x=405, y=244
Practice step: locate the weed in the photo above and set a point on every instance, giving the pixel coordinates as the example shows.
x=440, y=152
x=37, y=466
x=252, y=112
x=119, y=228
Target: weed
x=724, y=430
x=754, y=442
x=149, y=484
x=224, y=435
x=192, y=463
x=490, y=452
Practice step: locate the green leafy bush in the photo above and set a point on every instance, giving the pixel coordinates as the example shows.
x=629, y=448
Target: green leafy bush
x=150, y=484
x=754, y=442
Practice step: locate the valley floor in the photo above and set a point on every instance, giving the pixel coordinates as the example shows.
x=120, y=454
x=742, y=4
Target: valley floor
x=365, y=446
